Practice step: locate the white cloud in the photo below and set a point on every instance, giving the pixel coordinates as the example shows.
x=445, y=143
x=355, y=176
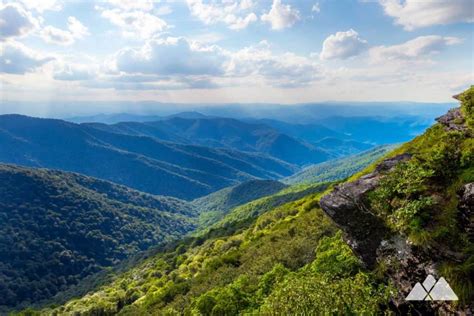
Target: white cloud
x=236, y=15
x=15, y=22
x=77, y=29
x=135, y=23
x=343, y=45
x=412, y=14
x=285, y=70
x=16, y=58
x=177, y=63
x=131, y=5
x=163, y=10
x=315, y=8
x=54, y=35
x=167, y=57
x=412, y=50
x=42, y=5
x=281, y=16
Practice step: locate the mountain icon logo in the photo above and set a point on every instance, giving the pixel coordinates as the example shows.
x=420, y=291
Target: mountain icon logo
x=432, y=290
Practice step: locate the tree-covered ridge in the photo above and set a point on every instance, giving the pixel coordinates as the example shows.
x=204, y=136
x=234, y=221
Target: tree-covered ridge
x=338, y=169
x=215, y=206
x=57, y=227
x=264, y=265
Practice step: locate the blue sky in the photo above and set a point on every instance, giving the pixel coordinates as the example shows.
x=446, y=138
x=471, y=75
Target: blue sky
x=220, y=51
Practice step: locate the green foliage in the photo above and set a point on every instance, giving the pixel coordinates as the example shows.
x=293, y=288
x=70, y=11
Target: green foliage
x=228, y=300
x=215, y=206
x=413, y=197
x=222, y=275
x=313, y=294
x=461, y=276
x=467, y=105
x=57, y=228
x=334, y=258
x=247, y=271
x=332, y=284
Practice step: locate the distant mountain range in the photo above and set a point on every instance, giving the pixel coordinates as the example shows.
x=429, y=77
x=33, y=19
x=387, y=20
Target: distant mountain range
x=295, y=113
x=376, y=128
x=144, y=163
x=227, y=133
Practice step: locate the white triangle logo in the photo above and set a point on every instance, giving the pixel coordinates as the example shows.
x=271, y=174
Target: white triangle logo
x=443, y=292
x=432, y=291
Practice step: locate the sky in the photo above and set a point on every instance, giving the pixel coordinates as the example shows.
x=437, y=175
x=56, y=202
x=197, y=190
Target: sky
x=242, y=51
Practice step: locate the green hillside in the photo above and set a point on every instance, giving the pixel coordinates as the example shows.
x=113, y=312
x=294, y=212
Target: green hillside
x=216, y=205
x=338, y=169
x=290, y=247
x=56, y=228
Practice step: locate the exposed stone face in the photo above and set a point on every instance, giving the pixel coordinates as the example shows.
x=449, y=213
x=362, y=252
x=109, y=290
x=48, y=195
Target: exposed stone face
x=345, y=205
x=453, y=120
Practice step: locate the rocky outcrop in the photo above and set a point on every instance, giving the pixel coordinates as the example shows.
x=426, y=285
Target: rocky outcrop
x=466, y=209
x=364, y=231
x=375, y=243
x=453, y=120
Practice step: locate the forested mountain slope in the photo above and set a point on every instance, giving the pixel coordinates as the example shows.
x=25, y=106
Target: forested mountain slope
x=292, y=259
x=216, y=205
x=338, y=169
x=143, y=163
x=57, y=227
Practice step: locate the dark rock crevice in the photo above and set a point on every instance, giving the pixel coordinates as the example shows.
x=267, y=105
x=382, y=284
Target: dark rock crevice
x=364, y=231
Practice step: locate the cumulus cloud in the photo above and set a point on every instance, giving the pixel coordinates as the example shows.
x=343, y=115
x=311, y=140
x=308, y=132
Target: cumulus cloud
x=420, y=47
x=171, y=56
x=236, y=15
x=54, y=35
x=343, y=45
x=15, y=21
x=16, y=58
x=412, y=14
x=281, y=16
x=135, y=23
x=285, y=70
x=177, y=63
